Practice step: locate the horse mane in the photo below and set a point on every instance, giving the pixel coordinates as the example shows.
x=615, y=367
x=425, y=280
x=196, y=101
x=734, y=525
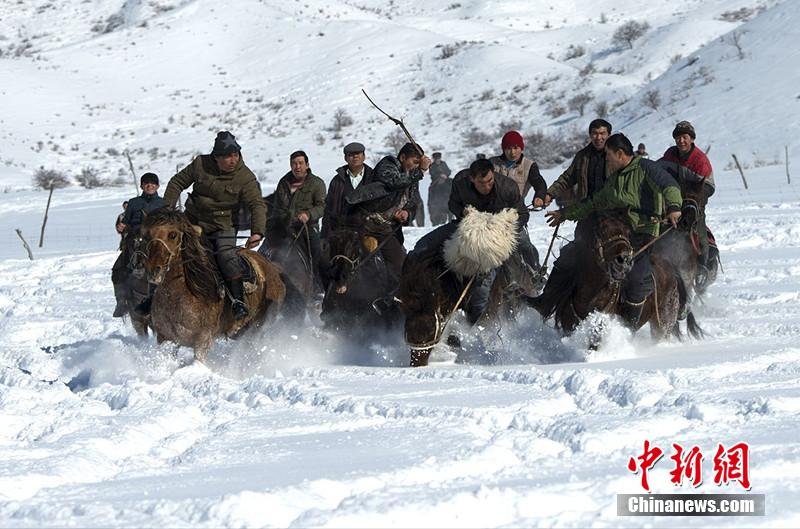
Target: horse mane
x=202, y=276
x=420, y=282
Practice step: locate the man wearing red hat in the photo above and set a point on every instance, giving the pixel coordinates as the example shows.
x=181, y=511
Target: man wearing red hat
x=525, y=173
x=695, y=165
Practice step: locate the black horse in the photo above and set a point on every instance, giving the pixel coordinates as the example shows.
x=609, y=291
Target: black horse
x=358, y=299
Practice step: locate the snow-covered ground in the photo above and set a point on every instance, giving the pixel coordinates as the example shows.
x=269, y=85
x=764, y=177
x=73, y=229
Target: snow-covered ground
x=291, y=427
x=293, y=430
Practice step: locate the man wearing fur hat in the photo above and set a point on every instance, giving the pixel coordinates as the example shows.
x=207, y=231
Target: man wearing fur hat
x=525, y=173
x=685, y=160
x=220, y=182
x=387, y=204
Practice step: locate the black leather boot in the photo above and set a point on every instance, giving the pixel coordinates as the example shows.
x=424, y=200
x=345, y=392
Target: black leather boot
x=236, y=288
x=120, y=294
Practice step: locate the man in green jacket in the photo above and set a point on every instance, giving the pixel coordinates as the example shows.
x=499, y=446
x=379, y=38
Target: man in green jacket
x=645, y=192
x=297, y=206
x=221, y=181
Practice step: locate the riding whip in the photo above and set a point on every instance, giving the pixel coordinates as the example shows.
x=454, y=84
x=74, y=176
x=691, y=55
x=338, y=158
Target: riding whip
x=396, y=121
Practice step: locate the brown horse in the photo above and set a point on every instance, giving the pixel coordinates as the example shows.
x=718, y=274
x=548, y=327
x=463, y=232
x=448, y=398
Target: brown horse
x=432, y=288
x=189, y=306
x=604, y=255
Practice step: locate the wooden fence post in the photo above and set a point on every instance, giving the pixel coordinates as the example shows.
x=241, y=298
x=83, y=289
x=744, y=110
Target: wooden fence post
x=788, y=178
x=25, y=244
x=739, y=166
x=46, y=210
x=133, y=172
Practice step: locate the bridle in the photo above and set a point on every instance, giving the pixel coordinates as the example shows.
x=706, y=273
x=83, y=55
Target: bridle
x=601, y=244
x=172, y=253
x=440, y=322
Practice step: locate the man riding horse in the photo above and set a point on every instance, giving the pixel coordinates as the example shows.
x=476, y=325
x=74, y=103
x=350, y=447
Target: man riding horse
x=387, y=203
x=685, y=161
x=128, y=226
x=221, y=181
x=485, y=191
x=642, y=191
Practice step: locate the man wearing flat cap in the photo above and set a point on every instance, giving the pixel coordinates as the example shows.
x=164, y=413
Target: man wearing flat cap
x=221, y=181
x=349, y=177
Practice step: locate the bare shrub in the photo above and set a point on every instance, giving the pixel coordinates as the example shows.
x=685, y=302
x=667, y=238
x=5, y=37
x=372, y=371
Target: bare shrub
x=420, y=94
x=736, y=42
x=89, y=178
x=550, y=150
x=341, y=119
x=579, y=101
x=395, y=140
x=475, y=137
x=652, y=99
x=629, y=32
x=573, y=52
x=45, y=178
x=601, y=109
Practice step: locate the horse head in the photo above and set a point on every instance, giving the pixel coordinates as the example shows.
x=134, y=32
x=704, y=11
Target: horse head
x=162, y=240
x=613, y=251
x=347, y=249
x=423, y=299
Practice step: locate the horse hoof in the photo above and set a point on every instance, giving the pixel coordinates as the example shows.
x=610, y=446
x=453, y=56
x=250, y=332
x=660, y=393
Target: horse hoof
x=420, y=358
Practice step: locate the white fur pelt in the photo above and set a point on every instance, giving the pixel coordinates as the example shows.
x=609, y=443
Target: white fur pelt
x=483, y=241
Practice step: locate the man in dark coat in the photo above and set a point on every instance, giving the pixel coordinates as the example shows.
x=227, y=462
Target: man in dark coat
x=439, y=190
x=587, y=173
x=220, y=182
x=385, y=205
x=128, y=225
x=488, y=192
x=349, y=177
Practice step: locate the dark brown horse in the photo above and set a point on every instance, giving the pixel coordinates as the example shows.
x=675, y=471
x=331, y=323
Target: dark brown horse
x=431, y=291
x=137, y=287
x=604, y=255
x=189, y=306
x=358, y=285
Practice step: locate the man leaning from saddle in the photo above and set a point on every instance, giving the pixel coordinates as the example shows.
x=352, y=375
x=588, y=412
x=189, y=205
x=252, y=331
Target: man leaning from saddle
x=220, y=182
x=382, y=207
x=643, y=192
x=486, y=191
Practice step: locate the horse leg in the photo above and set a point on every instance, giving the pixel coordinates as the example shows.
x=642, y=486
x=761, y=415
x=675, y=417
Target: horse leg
x=419, y=357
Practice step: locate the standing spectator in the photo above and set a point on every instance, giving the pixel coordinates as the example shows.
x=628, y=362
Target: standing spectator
x=439, y=190
x=642, y=151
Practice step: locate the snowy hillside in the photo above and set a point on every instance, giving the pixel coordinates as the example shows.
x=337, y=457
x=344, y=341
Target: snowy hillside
x=159, y=77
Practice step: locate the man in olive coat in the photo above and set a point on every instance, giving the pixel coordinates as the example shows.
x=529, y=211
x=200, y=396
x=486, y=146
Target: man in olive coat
x=220, y=182
x=297, y=205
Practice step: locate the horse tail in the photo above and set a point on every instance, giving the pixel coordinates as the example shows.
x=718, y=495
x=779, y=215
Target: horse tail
x=294, y=304
x=694, y=330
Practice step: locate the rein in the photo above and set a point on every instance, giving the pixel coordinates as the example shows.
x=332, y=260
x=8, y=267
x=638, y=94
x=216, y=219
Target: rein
x=441, y=325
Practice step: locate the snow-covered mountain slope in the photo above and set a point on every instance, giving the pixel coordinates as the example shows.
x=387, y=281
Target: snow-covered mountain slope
x=302, y=431
x=159, y=77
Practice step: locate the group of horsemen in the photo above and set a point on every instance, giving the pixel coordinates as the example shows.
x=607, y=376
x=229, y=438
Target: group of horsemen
x=606, y=175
